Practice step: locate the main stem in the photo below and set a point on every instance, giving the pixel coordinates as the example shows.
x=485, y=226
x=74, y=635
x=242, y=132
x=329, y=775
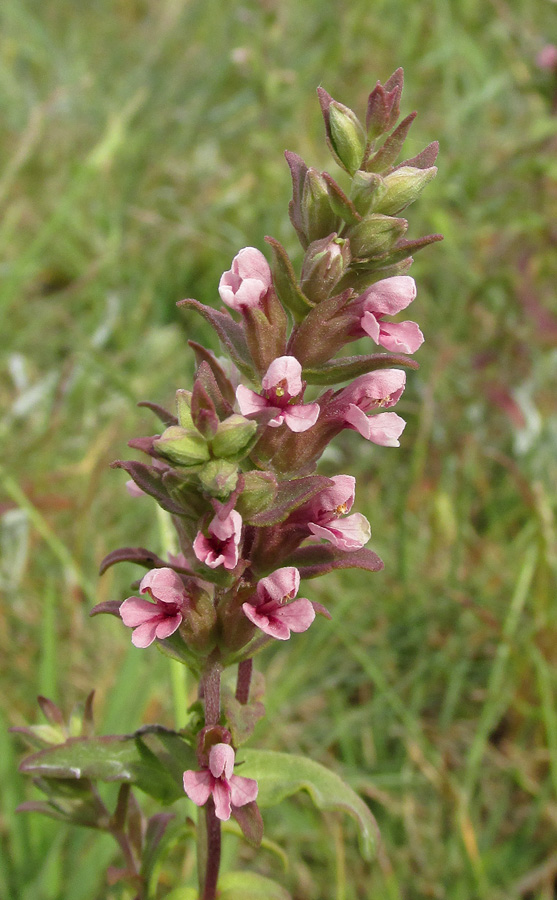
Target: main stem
x=212, y=835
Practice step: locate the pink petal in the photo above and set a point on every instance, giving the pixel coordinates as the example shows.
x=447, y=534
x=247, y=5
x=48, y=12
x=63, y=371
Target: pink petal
x=284, y=368
x=221, y=796
x=250, y=402
x=225, y=527
x=389, y=296
x=203, y=548
x=250, y=263
x=301, y=417
x=242, y=790
x=282, y=584
x=168, y=626
x=165, y=585
x=267, y=623
x=401, y=337
x=133, y=490
x=350, y=533
x=370, y=325
x=144, y=635
x=381, y=388
x=198, y=786
x=221, y=760
x=297, y=616
x=340, y=496
x=249, y=294
x=134, y=611
x=357, y=419
x=385, y=429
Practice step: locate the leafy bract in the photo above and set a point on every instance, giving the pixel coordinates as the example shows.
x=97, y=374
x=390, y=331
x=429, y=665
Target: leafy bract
x=318, y=559
x=348, y=367
x=279, y=775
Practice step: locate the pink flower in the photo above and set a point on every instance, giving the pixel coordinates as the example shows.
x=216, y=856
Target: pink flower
x=281, y=384
x=373, y=391
x=271, y=612
x=247, y=281
x=228, y=790
x=220, y=547
x=349, y=533
x=547, y=57
x=161, y=618
x=387, y=298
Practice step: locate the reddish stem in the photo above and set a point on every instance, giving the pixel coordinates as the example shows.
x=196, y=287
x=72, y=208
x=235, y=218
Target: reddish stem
x=244, y=680
x=213, y=852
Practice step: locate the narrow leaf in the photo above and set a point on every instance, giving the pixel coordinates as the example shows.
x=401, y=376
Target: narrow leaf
x=388, y=153
x=319, y=559
x=229, y=332
x=159, y=411
x=138, y=555
x=286, y=283
x=349, y=367
x=149, y=480
x=221, y=378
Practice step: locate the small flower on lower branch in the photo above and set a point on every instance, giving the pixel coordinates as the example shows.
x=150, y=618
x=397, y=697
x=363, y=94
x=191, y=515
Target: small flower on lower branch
x=161, y=618
x=281, y=384
x=228, y=790
x=271, y=611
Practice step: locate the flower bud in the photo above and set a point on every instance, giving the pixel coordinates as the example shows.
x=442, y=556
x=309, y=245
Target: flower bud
x=366, y=191
x=182, y=446
x=318, y=218
x=219, y=478
x=375, y=235
x=234, y=437
x=347, y=136
x=403, y=186
x=324, y=265
x=260, y=489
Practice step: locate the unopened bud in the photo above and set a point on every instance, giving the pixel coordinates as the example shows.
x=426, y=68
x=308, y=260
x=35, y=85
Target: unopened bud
x=234, y=437
x=324, y=265
x=219, y=477
x=260, y=489
x=375, y=235
x=183, y=407
x=347, y=136
x=182, y=446
x=366, y=191
x=318, y=218
x=403, y=186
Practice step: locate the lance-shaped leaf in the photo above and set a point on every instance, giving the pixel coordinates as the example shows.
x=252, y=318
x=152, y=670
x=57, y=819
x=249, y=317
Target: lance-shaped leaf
x=315, y=560
x=286, y=283
x=290, y=495
x=403, y=248
x=311, y=341
x=249, y=819
x=386, y=156
x=149, y=480
x=203, y=412
x=298, y=171
x=207, y=378
x=230, y=333
x=155, y=832
x=349, y=367
x=340, y=203
x=159, y=411
x=279, y=775
x=424, y=159
x=153, y=758
x=138, y=555
x=224, y=384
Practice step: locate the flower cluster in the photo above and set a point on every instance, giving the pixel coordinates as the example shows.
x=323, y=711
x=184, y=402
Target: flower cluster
x=235, y=463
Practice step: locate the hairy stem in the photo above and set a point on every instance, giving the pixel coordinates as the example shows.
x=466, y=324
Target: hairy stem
x=213, y=851
x=244, y=680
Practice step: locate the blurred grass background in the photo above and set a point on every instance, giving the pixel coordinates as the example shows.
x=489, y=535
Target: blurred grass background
x=141, y=148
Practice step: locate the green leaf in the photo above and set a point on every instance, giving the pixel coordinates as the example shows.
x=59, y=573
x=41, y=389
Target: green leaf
x=279, y=775
x=290, y=495
x=349, y=367
x=318, y=559
x=153, y=758
x=248, y=886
